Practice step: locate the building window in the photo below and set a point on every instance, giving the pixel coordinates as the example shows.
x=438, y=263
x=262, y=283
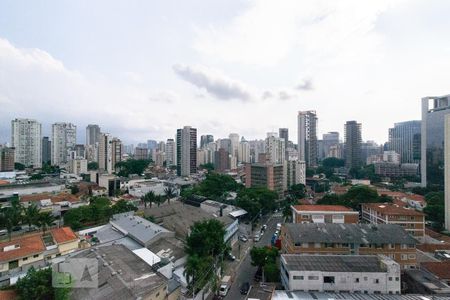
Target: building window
x=390, y=278
x=376, y=281
x=328, y=279
x=25, y=258
x=391, y=246
x=411, y=246
x=391, y=256
x=356, y=279
x=376, y=292
x=411, y=256
x=305, y=216
x=404, y=256
x=298, y=277
x=397, y=279
x=313, y=277
x=404, y=246
x=36, y=255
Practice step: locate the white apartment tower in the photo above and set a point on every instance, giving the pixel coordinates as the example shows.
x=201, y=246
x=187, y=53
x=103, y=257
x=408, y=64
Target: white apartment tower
x=64, y=138
x=275, y=148
x=170, y=152
x=186, y=151
x=307, y=137
x=26, y=138
x=244, y=152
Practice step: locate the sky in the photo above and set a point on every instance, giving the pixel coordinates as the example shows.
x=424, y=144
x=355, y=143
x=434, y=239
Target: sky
x=142, y=69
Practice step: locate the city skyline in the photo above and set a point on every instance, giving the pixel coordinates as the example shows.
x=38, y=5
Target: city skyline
x=173, y=58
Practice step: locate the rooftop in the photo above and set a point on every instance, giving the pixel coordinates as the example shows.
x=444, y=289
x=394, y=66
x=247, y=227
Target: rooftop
x=53, y=197
x=333, y=263
x=21, y=247
x=285, y=295
x=136, y=227
x=440, y=269
x=63, y=235
x=349, y=233
x=392, y=209
x=322, y=208
x=132, y=278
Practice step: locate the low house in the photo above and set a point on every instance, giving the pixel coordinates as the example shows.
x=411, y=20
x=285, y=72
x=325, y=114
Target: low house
x=388, y=213
x=37, y=250
x=350, y=239
x=323, y=214
x=363, y=274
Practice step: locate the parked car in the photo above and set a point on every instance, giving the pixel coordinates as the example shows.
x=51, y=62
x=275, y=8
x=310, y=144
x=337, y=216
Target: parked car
x=264, y=227
x=258, y=275
x=231, y=256
x=243, y=238
x=245, y=287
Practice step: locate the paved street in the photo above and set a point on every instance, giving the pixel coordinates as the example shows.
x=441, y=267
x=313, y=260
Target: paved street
x=246, y=271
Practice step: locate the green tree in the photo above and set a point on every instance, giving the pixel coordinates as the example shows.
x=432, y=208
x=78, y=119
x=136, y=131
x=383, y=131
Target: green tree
x=37, y=285
x=264, y=256
x=169, y=193
x=92, y=166
x=149, y=198
x=435, y=209
x=206, y=239
x=74, y=189
x=132, y=166
x=122, y=206
x=37, y=176
x=31, y=215
x=333, y=162
x=45, y=220
x=159, y=199
x=208, y=166
x=19, y=166
x=253, y=207
x=215, y=185
x=297, y=191
x=265, y=197
x=11, y=216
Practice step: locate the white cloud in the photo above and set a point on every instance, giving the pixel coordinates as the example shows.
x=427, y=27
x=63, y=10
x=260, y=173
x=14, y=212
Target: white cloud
x=213, y=82
x=268, y=31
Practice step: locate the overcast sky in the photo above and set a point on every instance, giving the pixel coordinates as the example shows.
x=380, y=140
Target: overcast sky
x=141, y=69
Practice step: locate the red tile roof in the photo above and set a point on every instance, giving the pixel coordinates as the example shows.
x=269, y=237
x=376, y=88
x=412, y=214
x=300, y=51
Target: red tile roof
x=440, y=269
x=321, y=208
x=27, y=246
x=392, y=209
x=8, y=295
x=63, y=235
x=54, y=198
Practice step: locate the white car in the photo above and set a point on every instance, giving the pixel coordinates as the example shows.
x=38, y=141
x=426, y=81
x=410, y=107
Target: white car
x=243, y=238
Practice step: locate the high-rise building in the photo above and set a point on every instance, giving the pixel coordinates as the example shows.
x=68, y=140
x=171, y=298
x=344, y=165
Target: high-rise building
x=152, y=144
x=370, y=148
x=116, y=154
x=186, y=151
x=296, y=172
x=170, y=153
x=352, y=144
x=329, y=139
x=307, y=137
x=205, y=140
x=447, y=171
x=141, y=153
x=244, y=151
x=6, y=159
x=26, y=139
x=92, y=134
x=434, y=110
x=64, y=137
x=270, y=176
x=234, y=144
x=225, y=144
x=104, y=152
x=401, y=140
x=284, y=134
x=46, y=150
x=222, y=160
x=275, y=149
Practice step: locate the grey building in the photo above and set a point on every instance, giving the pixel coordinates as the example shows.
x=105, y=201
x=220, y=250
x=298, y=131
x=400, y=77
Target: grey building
x=307, y=137
x=401, y=140
x=284, y=134
x=64, y=137
x=434, y=110
x=186, y=151
x=46, y=150
x=352, y=144
x=329, y=139
x=205, y=140
x=26, y=139
x=92, y=134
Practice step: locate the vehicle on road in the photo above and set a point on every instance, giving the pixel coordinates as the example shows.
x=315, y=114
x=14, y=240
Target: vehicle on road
x=245, y=287
x=231, y=256
x=224, y=285
x=278, y=226
x=243, y=238
x=256, y=237
x=3, y=232
x=264, y=227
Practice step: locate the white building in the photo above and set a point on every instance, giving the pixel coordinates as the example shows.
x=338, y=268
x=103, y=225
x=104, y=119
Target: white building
x=362, y=274
x=307, y=137
x=391, y=156
x=186, y=151
x=234, y=144
x=26, y=139
x=64, y=138
x=295, y=172
x=78, y=166
x=244, y=152
x=170, y=153
x=275, y=148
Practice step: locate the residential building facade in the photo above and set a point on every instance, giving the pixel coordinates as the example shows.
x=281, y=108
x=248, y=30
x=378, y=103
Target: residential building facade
x=352, y=144
x=271, y=176
x=64, y=138
x=186, y=151
x=324, y=214
x=307, y=137
x=26, y=139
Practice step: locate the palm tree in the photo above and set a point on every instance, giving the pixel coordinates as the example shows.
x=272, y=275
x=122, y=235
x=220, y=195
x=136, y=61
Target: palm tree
x=11, y=216
x=31, y=214
x=45, y=220
x=169, y=193
x=149, y=198
x=159, y=199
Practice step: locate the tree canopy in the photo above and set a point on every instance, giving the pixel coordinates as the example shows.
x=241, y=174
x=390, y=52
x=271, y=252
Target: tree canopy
x=435, y=209
x=131, y=166
x=255, y=198
x=354, y=197
x=37, y=284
